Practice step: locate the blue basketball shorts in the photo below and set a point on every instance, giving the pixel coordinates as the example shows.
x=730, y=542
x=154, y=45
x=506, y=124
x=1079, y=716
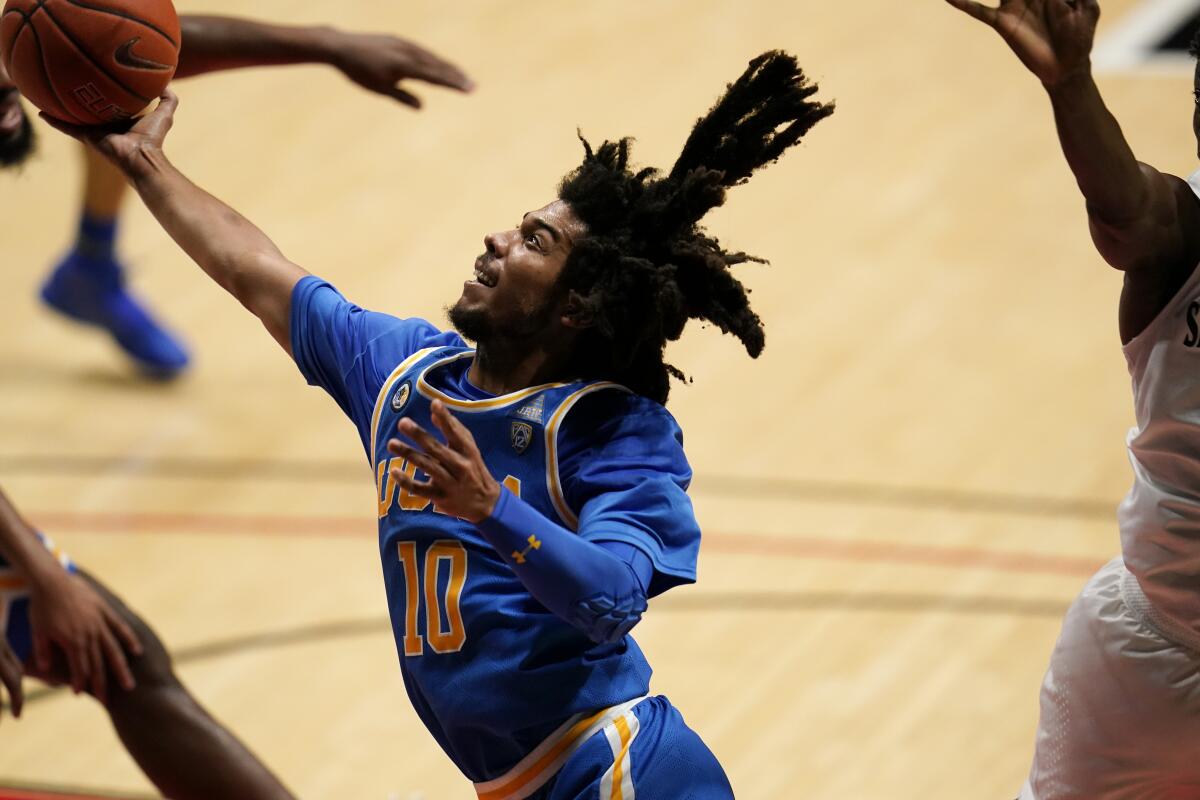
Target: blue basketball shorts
x=641, y=748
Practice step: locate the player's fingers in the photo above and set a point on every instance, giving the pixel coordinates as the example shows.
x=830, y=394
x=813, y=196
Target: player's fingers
x=432, y=69
x=977, y=10
x=99, y=673
x=407, y=98
x=10, y=674
x=411, y=485
x=125, y=633
x=430, y=444
x=77, y=666
x=457, y=435
x=414, y=456
x=116, y=659
x=41, y=652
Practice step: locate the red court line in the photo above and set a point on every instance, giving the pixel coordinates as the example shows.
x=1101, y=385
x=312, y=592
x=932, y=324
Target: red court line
x=798, y=547
x=7, y=793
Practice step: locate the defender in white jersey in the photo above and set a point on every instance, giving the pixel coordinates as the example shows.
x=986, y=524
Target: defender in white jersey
x=1120, y=705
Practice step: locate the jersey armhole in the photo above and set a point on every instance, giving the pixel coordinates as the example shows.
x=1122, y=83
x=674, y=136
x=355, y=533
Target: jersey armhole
x=553, y=480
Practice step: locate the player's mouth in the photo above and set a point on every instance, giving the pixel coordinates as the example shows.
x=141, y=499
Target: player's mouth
x=486, y=274
x=12, y=116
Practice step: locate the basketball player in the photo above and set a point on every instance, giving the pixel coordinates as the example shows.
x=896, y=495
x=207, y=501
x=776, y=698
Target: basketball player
x=532, y=491
x=1120, y=706
x=61, y=625
x=88, y=285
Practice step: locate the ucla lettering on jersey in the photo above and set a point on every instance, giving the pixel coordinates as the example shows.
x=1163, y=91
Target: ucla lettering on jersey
x=491, y=672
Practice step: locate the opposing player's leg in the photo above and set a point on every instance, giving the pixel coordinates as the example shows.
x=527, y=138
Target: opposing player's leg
x=647, y=751
x=1120, y=704
x=88, y=284
x=177, y=744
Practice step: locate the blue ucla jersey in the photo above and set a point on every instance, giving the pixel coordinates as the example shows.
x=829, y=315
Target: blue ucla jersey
x=491, y=671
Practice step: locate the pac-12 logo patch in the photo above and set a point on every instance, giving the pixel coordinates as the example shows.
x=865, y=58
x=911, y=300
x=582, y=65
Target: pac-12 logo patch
x=521, y=436
x=400, y=398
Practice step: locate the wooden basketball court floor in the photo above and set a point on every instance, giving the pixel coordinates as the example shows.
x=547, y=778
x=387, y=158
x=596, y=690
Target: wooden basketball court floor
x=900, y=498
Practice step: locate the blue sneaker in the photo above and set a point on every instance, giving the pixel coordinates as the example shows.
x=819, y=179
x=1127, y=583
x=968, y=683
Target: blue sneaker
x=93, y=292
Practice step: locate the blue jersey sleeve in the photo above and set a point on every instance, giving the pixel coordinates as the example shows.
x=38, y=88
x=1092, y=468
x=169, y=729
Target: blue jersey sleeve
x=349, y=352
x=623, y=471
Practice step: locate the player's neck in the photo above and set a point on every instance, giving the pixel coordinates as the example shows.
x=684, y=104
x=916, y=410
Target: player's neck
x=502, y=368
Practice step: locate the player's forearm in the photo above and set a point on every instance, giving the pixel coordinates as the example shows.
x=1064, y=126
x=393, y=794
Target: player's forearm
x=21, y=547
x=578, y=580
x=227, y=246
x=1102, y=161
x=213, y=43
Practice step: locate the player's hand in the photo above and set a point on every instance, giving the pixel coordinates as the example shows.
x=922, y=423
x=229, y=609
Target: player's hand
x=459, y=482
x=67, y=614
x=1053, y=38
x=130, y=145
x=10, y=675
x=378, y=62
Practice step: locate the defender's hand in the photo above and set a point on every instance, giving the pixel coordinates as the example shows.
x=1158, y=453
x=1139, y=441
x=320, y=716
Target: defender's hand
x=131, y=146
x=66, y=613
x=1053, y=38
x=378, y=63
x=459, y=482
x=10, y=675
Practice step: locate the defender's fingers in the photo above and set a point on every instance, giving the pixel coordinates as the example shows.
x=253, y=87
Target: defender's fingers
x=414, y=456
x=99, y=673
x=116, y=659
x=10, y=674
x=41, y=652
x=977, y=10
x=77, y=666
x=407, y=98
x=432, y=69
x=125, y=633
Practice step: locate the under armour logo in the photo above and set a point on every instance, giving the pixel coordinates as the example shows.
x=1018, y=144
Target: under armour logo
x=534, y=544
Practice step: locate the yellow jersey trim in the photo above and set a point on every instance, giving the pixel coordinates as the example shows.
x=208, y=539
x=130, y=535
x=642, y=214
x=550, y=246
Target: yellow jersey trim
x=552, y=480
x=385, y=390
x=431, y=393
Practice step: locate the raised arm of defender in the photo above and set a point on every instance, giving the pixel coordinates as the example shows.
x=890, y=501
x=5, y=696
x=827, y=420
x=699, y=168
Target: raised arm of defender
x=1139, y=217
x=226, y=245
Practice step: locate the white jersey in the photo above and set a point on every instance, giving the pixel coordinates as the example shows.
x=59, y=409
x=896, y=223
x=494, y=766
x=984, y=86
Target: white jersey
x=1160, y=517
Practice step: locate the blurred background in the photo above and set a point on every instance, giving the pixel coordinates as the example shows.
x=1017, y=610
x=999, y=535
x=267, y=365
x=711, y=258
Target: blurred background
x=900, y=498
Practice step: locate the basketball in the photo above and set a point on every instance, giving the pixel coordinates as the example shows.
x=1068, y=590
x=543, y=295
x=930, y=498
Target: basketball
x=90, y=62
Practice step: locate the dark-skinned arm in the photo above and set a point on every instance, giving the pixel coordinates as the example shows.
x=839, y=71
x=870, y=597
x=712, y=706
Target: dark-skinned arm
x=377, y=62
x=1137, y=215
x=228, y=247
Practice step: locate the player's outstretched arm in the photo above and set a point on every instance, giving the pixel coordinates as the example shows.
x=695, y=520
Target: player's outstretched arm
x=234, y=253
x=1137, y=214
x=377, y=62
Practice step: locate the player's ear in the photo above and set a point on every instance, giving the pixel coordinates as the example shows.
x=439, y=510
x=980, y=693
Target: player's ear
x=577, y=313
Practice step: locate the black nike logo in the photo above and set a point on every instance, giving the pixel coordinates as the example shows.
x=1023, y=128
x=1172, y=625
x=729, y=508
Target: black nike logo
x=125, y=56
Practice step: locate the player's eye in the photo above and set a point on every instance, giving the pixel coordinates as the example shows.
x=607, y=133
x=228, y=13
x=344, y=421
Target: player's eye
x=533, y=240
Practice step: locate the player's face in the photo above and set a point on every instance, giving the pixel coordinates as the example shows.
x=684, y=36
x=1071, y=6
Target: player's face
x=514, y=293
x=16, y=132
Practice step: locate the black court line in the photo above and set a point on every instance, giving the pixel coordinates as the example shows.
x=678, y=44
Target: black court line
x=735, y=486
x=714, y=602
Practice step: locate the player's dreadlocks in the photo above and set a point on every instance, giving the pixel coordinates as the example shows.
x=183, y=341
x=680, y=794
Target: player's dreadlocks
x=1194, y=47
x=646, y=266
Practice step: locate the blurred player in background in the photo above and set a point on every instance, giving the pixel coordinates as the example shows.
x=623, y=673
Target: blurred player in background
x=1120, y=706
x=89, y=284
x=521, y=542
x=61, y=625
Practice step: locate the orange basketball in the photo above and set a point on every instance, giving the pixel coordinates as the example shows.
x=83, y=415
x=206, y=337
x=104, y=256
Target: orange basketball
x=90, y=61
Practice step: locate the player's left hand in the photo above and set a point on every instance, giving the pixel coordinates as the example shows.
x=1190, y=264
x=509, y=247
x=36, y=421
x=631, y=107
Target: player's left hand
x=459, y=482
x=378, y=62
x=10, y=676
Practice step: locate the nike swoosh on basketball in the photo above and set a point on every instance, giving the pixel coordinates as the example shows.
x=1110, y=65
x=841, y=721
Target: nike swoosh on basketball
x=125, y=56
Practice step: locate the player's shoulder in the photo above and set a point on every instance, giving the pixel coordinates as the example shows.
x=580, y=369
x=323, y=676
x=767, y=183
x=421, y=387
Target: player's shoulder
x=612, y=411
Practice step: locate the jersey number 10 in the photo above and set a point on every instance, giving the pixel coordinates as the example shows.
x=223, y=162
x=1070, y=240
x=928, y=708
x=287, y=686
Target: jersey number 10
x=440, y=639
